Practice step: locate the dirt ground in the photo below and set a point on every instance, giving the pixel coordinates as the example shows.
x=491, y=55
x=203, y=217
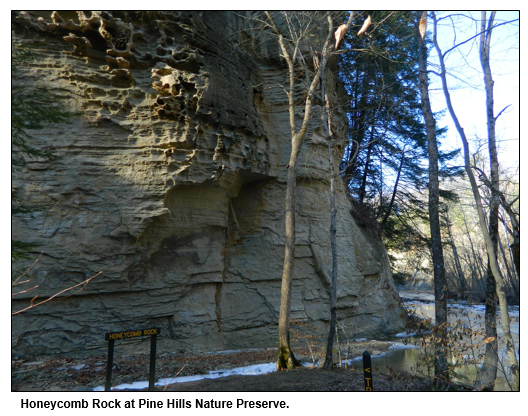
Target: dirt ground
x=84, y=373
x=305, y=379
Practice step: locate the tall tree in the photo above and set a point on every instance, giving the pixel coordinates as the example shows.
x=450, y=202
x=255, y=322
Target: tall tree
x=333, y=243
x=327, y=119
x=384, y=164
x=299, y=27
x=440, y=285
x=488, y=371
x=499, y=281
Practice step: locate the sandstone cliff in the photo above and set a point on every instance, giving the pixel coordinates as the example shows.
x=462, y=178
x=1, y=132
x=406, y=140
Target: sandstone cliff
x=172, y=184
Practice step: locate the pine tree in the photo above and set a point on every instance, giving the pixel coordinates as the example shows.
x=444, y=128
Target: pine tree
x=385, y=164
x=32, y=108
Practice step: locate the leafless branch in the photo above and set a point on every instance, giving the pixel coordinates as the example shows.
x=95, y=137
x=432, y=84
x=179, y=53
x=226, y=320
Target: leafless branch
x=16, y=282
x=175, y=375
x=473, y=37
x=502, y=111
x=83, y=284
x=24, y=291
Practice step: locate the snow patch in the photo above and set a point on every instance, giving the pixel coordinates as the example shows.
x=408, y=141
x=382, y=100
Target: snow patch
x=252, y=370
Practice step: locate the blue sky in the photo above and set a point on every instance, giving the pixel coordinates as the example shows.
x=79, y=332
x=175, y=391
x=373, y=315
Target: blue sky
x=467, y=86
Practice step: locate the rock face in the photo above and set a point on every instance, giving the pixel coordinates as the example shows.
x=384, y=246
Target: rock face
x=172, y=183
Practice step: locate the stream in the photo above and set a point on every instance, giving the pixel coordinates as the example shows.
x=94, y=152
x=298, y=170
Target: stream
x=407, y=353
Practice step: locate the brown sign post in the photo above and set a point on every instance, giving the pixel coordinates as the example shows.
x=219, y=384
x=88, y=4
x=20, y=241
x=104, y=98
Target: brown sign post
x=112, y=336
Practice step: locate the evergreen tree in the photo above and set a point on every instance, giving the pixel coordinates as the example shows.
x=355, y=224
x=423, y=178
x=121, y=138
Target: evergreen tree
x=386, y=162
x=32, y=108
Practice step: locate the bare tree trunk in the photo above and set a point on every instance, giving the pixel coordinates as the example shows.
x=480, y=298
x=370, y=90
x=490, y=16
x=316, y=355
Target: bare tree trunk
x=458, y=266
x=333, y=289
x=440, y=286
x=515, y=232
x=333, y=294
x=516, y=250
x=511, y=259
x=286, y=358
x=488, y=372
x=509, y=272
x=505, y=321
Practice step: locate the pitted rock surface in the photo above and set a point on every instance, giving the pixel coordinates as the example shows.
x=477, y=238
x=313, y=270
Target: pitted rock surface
x=172, y=183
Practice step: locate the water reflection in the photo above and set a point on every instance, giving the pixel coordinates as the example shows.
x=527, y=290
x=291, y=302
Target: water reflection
x=408, y=359
x=469, y=316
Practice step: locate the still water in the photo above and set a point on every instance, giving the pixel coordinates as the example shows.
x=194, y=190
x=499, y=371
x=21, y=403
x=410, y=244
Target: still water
x=408, y=351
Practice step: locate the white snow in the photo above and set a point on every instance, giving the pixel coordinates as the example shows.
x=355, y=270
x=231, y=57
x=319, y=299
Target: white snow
x=410, y=334
x=252, y=370
x=401, y=346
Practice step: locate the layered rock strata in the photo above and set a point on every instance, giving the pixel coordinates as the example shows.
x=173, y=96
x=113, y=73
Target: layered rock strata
x=172, y=183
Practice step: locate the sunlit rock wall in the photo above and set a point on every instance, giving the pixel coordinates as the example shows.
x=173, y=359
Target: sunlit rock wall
x=172, y=182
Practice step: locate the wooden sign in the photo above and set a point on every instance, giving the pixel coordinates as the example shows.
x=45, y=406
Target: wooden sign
x=367, y=371
x=112, y=336
x=131, y=333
